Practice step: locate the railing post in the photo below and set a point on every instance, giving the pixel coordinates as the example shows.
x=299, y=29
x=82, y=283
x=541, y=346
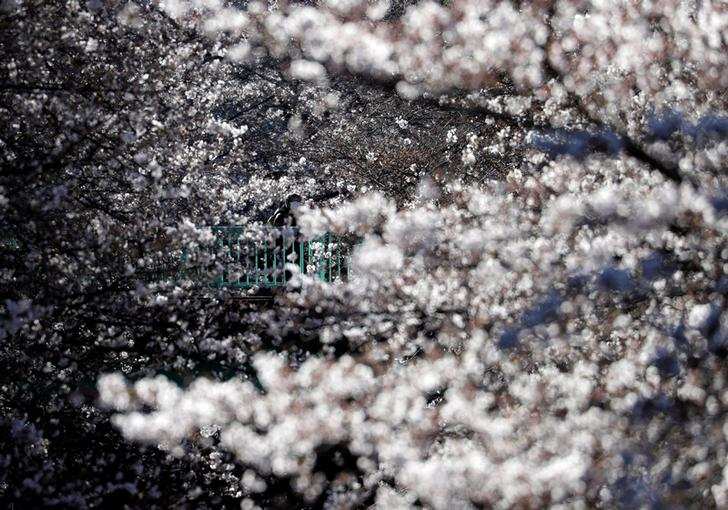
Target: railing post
x=301, y=258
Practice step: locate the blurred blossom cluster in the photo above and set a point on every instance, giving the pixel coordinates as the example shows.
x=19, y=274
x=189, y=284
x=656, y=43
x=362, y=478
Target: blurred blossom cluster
x=493, y=354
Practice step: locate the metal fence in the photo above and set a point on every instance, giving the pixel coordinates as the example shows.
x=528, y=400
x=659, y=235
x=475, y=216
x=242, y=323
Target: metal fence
x=240, y=259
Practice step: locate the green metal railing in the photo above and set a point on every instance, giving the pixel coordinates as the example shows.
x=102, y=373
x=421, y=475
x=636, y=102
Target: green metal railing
x=238, y=260
x=242, y=258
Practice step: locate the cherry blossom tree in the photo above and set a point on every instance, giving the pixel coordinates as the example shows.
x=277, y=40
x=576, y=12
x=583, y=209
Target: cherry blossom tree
x=537, y=315
x=125, y=133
